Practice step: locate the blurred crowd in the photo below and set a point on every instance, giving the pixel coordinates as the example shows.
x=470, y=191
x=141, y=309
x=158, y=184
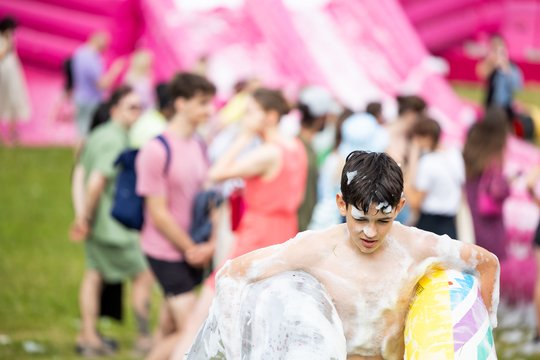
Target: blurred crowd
x=246, y=174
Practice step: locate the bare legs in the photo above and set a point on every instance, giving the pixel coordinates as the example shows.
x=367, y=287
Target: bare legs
x=142, y=289
x=89, y=297
x=178, y=309
x=89, y=304
x=194, y=322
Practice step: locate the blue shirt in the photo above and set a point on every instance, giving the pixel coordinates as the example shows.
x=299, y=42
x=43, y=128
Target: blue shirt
x=505, y=84
x=87, y=68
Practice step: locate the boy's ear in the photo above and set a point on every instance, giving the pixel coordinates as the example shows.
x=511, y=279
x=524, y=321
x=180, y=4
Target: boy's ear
x=178, y=104
x=400, y=205
x=341, y=204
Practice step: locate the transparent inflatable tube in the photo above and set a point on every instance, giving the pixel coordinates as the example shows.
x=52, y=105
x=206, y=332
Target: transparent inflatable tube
x=291, y=316
x=288, y=316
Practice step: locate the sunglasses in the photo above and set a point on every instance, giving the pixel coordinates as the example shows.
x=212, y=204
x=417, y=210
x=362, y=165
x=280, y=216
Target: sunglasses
x=135, y=107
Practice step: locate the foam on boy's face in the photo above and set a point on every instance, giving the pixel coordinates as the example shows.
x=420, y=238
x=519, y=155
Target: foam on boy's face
x=368, y=230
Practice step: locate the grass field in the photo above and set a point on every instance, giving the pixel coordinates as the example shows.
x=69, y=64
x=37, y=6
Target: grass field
x=41, y=269
x=471, y=92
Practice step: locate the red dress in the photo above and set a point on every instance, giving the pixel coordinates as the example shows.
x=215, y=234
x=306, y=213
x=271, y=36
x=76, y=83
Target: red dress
x=271, y=205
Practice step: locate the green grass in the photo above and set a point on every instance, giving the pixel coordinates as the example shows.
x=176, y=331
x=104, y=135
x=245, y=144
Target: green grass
x=472, y=92
x=40, y=268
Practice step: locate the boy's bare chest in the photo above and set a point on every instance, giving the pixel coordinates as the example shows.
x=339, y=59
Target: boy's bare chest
x=354, y=284
x=371, y=297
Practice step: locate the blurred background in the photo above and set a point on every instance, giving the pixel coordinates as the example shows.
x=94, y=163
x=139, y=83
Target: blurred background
x=359, y=51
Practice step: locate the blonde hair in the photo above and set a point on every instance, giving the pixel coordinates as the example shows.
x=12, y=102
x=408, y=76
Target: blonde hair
x=140, y=64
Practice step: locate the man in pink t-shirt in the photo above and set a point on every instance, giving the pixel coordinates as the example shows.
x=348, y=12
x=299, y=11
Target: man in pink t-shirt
x=169, y=191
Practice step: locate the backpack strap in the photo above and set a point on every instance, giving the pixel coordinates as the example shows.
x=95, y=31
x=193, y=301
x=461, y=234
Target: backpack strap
x=162, y=139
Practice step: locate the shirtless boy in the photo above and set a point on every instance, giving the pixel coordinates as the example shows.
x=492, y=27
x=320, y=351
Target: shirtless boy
x=369, y=266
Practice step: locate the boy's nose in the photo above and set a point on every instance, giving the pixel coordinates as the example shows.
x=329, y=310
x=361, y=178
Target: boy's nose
x=369, y=231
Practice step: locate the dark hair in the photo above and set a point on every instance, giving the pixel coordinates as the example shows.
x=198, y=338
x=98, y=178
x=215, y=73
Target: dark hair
x=118, y=94
x=163, y=97
x=7, y=23
x=412, y=103
x=485, y=143
x=270, y=100
x=306, y=118
x=374, y=108
x=187, y=85
x=371, y=177
x=101, y=115
x=240, y=86
x=426, y=126
x=67, y=71
x=498, y=114
x=341, y=118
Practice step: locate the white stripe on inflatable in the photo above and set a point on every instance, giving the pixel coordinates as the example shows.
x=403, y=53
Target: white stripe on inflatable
x=467, y=303
x=470, y=348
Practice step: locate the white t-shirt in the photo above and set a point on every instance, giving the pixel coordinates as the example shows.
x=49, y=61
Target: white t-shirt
x=441, y=175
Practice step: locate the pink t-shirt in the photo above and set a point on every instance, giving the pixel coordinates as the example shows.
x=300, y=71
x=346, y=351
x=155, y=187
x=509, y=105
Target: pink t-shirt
x=185, y=178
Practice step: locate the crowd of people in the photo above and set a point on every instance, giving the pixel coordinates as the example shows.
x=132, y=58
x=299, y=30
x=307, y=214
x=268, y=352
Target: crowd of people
x=273, y=183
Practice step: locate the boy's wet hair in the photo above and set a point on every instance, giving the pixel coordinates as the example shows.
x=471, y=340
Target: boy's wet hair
x=371, y=177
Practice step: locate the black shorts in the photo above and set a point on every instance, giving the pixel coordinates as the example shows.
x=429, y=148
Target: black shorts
x=438, y=224
x=175, y=277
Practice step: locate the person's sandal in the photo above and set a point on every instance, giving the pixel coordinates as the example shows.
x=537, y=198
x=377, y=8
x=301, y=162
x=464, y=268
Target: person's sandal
x=91, y=352
x=109, y=342
x=142, y=347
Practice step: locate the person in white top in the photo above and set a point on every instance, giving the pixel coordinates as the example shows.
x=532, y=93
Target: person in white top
x=435, y=179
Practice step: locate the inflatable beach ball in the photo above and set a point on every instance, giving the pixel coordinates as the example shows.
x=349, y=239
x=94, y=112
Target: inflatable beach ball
x=448, y=320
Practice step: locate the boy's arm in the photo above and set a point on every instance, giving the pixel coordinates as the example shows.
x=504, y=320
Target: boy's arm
x=453, y=254
x=236, y=274
x=257, y=265
x=487, y=266
x=299, y=253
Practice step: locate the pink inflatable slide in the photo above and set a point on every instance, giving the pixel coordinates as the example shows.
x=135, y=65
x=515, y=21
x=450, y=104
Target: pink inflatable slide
x=49, y=31
x=445, y=26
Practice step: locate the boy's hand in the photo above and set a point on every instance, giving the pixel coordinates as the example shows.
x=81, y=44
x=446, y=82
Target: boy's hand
x=200, y=255
x=79, y=230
